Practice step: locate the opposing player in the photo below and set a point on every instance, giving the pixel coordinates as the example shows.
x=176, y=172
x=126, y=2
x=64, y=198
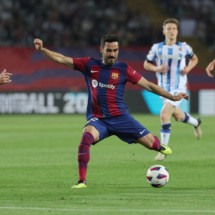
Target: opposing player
x=5, y=77
x=168, y=61
x=107, y=113
x=210, y=68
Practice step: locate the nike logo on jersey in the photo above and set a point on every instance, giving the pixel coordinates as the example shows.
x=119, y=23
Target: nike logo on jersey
x=141, y=132
x=93, y=71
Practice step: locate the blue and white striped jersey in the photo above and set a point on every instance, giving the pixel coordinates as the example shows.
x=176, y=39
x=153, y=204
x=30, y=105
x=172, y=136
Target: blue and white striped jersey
x=175, y=57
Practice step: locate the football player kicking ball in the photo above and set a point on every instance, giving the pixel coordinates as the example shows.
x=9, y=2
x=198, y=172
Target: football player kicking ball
x=107, y=114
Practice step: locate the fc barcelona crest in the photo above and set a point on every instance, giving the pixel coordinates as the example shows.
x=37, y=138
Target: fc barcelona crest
x=114, y=75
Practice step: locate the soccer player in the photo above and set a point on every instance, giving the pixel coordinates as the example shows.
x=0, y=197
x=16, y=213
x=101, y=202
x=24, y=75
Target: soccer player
x=5, y=77
x=107, y=113
x=210, y=68
x=168, y=60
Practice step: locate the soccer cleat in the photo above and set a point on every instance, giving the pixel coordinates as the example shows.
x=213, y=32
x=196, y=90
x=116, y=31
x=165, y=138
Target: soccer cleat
x=160, y=157
x=80, y=184
x=197, y=129
x=164, y=149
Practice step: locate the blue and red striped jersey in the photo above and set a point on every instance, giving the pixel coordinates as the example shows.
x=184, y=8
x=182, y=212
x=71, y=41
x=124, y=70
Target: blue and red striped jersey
x=106, y=86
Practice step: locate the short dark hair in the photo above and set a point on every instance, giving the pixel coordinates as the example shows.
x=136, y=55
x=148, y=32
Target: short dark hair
x=171, y=20
x=108, y=38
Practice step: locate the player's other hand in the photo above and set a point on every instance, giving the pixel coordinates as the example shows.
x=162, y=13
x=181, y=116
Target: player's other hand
x=180, y=96
x=5, y=77
x=210, y=69
x=38, y=43
x=184, y=71
x=163, y=68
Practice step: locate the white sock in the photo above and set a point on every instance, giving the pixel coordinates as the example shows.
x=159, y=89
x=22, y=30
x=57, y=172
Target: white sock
x=165, y=138
x=165, y=133
x=190, y=120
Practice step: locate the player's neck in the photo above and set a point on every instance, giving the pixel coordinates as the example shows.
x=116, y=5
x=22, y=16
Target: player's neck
x=170, y=42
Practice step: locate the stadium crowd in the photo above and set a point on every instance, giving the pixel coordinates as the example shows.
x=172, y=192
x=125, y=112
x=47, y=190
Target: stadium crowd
x=66, y=23
x=70, y=22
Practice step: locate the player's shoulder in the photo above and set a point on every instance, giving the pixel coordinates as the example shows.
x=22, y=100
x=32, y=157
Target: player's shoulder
x=158, y=45
x=121, y=64
x=180, y=43
x=94, y=61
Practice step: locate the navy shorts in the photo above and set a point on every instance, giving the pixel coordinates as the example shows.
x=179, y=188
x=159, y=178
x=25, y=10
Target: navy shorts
x=124, y=127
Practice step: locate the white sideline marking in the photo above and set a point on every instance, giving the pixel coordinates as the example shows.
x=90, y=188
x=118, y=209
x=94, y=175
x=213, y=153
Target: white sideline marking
x=128, y=210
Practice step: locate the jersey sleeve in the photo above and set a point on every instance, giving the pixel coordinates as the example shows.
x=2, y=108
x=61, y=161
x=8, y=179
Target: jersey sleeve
x=132, y=75
x=189, y=51
x=80, y=63
x=151, y=56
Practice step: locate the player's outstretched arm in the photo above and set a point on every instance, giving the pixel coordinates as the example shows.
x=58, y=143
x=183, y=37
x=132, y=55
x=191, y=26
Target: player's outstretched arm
x=160, y=91
x=5, y=77
x=54, y=56
x=210, y=68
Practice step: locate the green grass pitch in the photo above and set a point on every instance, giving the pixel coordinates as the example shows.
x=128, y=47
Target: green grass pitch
x=38, y=164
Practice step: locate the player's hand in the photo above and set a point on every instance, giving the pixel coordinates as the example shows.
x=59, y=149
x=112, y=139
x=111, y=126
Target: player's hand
x=209, y=70
x=5, y=77
x=180, y=96
x=184, y=71
x=163, y=68
x=38, y=43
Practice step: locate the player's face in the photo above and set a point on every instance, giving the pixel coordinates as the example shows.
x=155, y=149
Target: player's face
x=170, y=31
x=110, y=53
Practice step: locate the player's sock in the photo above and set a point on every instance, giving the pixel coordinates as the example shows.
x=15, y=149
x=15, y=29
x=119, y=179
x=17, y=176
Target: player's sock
x=84, y=154
x=165, y=133
x=190, y=120
x=156, y=144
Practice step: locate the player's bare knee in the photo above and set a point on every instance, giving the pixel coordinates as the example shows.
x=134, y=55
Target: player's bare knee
x=164, y=117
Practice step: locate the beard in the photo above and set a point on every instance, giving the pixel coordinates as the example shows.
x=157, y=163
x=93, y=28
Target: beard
x=109, y=61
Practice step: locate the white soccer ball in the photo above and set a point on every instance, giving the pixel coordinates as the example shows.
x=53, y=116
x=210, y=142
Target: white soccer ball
x=157, y=176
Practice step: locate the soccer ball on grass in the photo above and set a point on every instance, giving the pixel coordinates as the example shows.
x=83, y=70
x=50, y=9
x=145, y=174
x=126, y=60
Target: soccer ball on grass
x=157, y=176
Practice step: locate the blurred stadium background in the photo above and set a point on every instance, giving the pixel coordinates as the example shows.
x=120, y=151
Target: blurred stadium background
x=74, y=28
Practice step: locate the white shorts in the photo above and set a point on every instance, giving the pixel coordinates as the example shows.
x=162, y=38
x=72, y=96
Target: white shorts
x=174, y=103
